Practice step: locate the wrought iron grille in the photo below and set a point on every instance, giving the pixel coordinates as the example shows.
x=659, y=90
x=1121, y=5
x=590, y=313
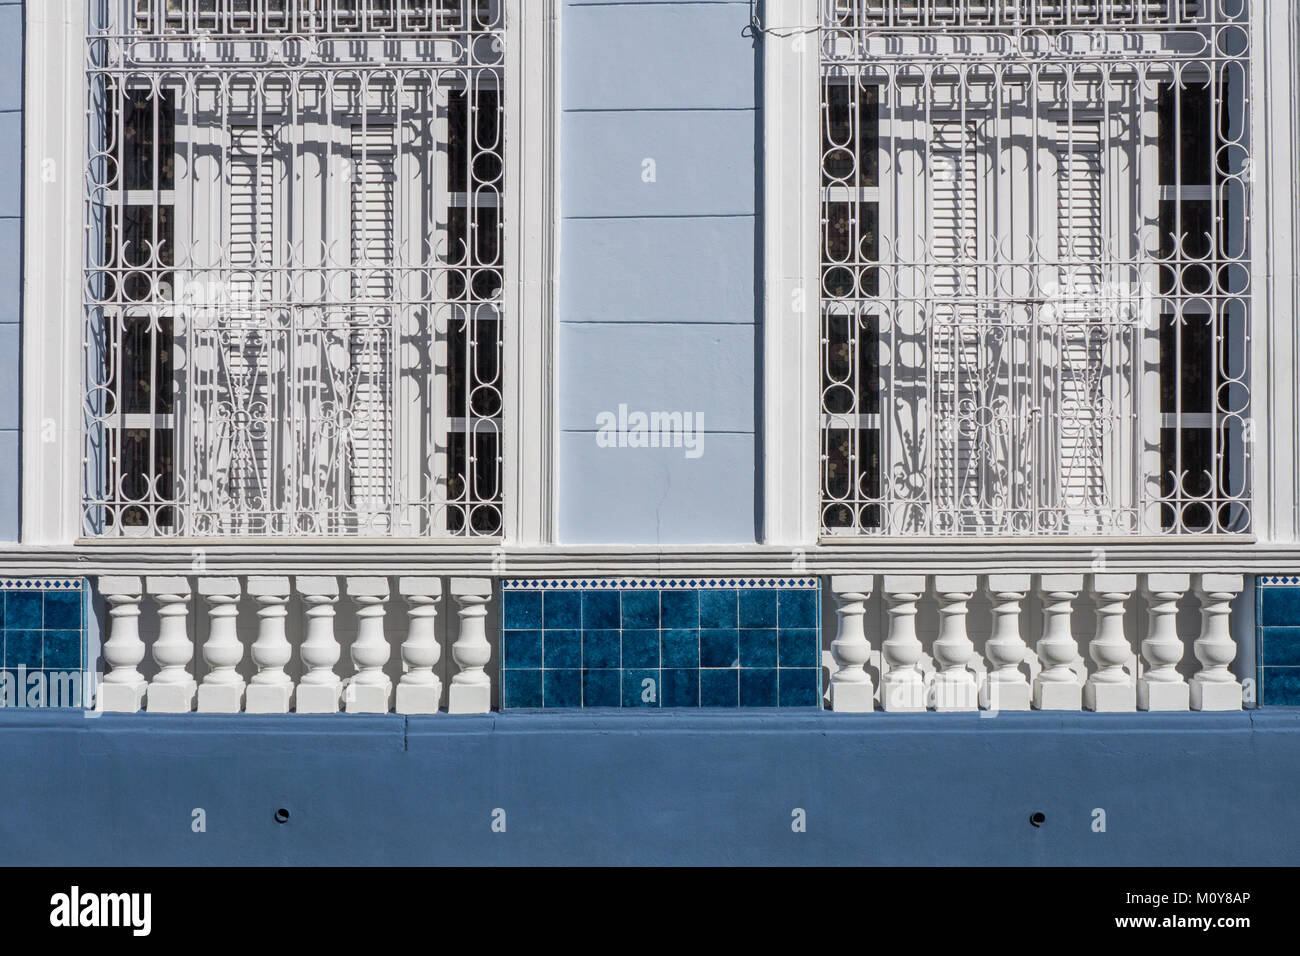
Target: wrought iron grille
x=1035, y=267
x=294, y=267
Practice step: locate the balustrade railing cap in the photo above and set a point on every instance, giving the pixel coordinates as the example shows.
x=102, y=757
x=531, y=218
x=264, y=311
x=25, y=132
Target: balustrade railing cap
x=1009, y=583
x=268, y=585
x=219, y=587
x=1061, y=582
x=1114, y=583
x=368, y=587
x=322, y=585
x=463, y=587
x=1165, y=581
x=419, y=587
x=120, y=584
x=167, y=585
x=1221, y=583
x=955, y=583
x=904, y=584
x=853, y=583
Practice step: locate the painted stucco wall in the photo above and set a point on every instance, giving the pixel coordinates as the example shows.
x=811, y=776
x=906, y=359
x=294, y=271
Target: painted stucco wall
x=658, y=267
x=11, y=207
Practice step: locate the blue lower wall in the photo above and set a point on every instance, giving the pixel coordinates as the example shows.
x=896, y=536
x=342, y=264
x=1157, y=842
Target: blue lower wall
x=1185, y=789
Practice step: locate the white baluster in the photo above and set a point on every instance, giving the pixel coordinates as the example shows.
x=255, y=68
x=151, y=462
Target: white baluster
x=222, y=690
x=124, y=685
x=851, y=689
x=320, y=689
x=902, y=687
x=1161, y=687
x=1110, y=688
x=271, y=689
x=420, y=691
x=1057, y=686
x=954, y=684
x=1214, y=687
x=1006, y=687
x=471, y=688
x=172, y=689
x=370, y=691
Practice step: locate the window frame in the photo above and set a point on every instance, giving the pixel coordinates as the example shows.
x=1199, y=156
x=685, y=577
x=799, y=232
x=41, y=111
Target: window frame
x=56, y=136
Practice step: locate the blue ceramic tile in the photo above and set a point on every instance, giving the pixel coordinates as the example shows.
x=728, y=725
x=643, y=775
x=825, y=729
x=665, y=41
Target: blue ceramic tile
x=719, y=688
x=600, y=649
x=757, y=608
x=1280, y=646
x=600, y=610
x=1279, y=606
x=63, y=650
x=718, y=608
x=23, y=610
x=798, y=647
x=600, y=688
x=680, y=688
x=758, y=687
x=681, y=648
x=63, y=610
x=679, y=608
x=800, y=686
x=640, y=609
x=562, y=610
x=758, y=647
x=1281, y=686
x=562, y=688
x=719, y=648
x=521, y=650
x=522, y=689
x=521, y=609
x=640, y=649
x=640, y=688
x=798, y=609
x=562, y=649
x=23, y=647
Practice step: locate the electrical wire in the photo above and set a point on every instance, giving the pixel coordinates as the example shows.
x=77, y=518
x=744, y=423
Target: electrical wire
x=755, y=26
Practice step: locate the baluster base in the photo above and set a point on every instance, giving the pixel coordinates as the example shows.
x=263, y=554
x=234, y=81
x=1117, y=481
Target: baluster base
x=469, y=699
x=319, y=698
x=1057, y=695
x=367, y=698
x=122, y=698
x=847, y=698
x=903, y=697
x=1110, y=698
x=268, y=698
x=1163, y=695
x=170, y=698
x=958, y=695
x=221, y=698
x=1005, y=696
x=1212, y=696
x=419, y=698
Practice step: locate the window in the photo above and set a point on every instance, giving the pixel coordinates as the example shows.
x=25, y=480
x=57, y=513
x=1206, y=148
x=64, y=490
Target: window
x=1035, y=275
x=294, y=268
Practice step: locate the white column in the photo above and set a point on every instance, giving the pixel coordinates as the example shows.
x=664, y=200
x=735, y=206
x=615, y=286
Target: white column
x=1006, y=687
x=955, y=688
x=1214, y=687
x=124, y=685
x=902, y=686
x=851, y=688
x=1057, y=686
x=222, y=690
x=172, y=689
x=420, y=691
x=320, y=689
x=1161, y=687
x=271, y=689
x=370, y=691
x=471, y=688
x=1110, y=688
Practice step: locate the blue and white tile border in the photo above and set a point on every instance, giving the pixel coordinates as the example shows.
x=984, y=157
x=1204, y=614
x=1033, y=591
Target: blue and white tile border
x=659, y=584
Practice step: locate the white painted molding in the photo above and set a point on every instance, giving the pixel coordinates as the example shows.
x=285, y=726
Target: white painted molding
x=791, y=486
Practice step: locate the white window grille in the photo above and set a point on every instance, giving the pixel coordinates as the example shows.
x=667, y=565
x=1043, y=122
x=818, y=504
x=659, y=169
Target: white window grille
x=294, y=268
x=1035, y=267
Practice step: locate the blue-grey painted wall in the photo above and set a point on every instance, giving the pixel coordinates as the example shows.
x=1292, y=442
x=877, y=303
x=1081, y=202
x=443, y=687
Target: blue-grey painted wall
x=11, y=207
x=657, y=279
x=929, y=789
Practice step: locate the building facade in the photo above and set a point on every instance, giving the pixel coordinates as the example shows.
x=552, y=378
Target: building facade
x=770, y=362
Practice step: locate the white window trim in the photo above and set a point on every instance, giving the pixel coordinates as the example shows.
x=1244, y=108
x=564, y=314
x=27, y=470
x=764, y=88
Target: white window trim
x=791, y=428
x=52, y=301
